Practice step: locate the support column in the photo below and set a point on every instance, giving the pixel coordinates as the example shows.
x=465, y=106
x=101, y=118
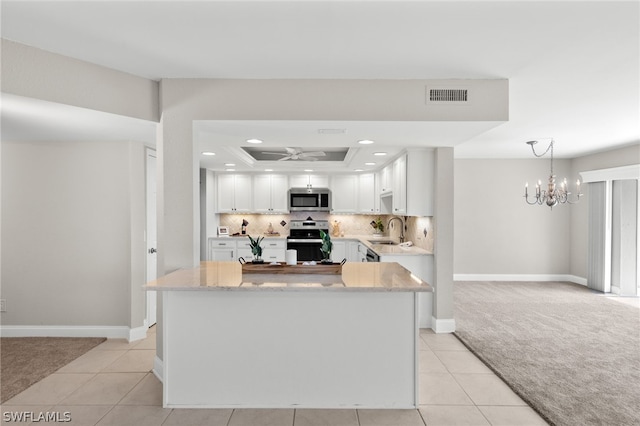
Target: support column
x=443, y=321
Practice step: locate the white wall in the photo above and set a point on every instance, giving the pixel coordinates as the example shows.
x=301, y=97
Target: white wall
x=73, y=234
x=35, y=73
x=496, y=232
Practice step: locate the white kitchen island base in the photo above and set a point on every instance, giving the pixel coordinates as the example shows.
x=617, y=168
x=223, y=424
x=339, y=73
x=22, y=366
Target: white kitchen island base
x=290, y=349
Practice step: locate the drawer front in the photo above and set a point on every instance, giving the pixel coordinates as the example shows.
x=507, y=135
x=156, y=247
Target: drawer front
x=274, y=244
x=245, y=243
x=273, y=255
x=222, y=244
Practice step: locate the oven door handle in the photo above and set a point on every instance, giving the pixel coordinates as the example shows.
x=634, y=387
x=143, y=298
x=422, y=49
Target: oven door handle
x=319, y=240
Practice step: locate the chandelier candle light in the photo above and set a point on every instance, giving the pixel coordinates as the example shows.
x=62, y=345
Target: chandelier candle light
x=552, y=195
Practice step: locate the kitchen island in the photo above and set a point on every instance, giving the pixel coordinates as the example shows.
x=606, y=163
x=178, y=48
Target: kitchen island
x=313, y=340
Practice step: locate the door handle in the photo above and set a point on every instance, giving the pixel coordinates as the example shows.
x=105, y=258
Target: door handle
x=152, y=250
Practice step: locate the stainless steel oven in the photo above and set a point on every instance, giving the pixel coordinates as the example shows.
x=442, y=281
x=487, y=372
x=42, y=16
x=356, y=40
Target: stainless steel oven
x=304, y=237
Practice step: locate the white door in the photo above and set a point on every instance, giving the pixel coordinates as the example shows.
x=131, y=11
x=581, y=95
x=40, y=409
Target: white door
x=152, y=257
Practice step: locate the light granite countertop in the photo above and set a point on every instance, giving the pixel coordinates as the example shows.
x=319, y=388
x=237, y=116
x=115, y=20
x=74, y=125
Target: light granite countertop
x=356, y=276
x=368, y=240
x=385, y=249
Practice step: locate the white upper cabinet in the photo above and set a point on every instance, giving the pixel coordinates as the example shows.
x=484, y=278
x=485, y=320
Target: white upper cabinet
x=234, y=193
x=302, y=181
x=367, y=194
x=279, y=193
x=344, y=190
x=420, y=182
x=270, y=193
x=386, y=179
x=400, y=186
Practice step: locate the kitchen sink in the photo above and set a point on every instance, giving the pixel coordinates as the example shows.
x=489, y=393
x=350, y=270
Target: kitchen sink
x=385, y=242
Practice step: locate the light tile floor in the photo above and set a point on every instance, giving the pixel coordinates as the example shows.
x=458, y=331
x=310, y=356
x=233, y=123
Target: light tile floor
x=112, y=385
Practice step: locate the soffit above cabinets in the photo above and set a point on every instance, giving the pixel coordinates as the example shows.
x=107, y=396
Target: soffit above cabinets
x=228, y=140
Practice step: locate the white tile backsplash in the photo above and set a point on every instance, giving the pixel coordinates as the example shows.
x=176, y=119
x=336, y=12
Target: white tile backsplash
x=349, y=225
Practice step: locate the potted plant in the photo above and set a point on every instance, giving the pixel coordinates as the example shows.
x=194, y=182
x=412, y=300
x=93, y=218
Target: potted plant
x=378, y=226
x=327, y=245
x=256, y=249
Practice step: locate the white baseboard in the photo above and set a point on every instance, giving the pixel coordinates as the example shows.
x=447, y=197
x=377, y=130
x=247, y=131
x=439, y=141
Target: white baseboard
x=137, y=333
x=157, y=368
x=110, y=332
x=443, y=325
x=520, y=277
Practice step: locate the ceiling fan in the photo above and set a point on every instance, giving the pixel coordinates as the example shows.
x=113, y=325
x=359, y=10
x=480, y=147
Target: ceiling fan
x=297, y=154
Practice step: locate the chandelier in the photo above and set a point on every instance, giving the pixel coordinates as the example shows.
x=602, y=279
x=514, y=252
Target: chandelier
x=552, y=195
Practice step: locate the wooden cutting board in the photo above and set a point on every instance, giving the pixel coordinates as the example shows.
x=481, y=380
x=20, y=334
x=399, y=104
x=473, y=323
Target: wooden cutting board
x=266, y=268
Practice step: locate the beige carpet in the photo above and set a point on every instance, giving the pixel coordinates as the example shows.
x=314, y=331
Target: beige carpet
x=572, y=354
x=27, y=360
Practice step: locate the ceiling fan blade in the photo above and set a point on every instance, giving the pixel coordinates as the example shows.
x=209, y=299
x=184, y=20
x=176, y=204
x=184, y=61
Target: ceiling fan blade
x=275, y=153
x=313, y=154
x=293, y=151
x=288, y=157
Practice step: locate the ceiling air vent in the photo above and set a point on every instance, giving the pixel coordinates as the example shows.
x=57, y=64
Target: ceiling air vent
x=447, y=96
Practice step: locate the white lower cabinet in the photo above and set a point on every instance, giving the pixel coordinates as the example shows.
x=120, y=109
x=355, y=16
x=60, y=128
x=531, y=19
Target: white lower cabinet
x=339, y=251
x=229, y=248
x=274, y=250
x=352, y=251
x=221, y=249
x=243, y=249
x=348, y=249
x=362, y=253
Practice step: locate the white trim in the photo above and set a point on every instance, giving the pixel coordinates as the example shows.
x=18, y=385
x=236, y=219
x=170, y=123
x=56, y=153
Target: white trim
x=443, y=325
x=157, y=368
x=520, y=277
x=615, y=173
x=615, y=290
x=115, y=332
x=137, y=333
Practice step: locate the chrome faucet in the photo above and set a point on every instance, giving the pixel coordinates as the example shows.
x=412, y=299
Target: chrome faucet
x=401, y=228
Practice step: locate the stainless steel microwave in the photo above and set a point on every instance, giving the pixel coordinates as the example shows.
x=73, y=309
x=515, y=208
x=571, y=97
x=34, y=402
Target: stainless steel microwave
x=309, y=200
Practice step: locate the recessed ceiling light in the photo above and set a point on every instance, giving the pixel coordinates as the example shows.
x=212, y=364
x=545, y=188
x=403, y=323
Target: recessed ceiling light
x=369, y=164
x=208, y=153
x=358, y=170
x=254, y=141
x=365, y=142
x=379, y=153
x=229, y=164
x=268, y=170
x=308, y=170
x=231, y=170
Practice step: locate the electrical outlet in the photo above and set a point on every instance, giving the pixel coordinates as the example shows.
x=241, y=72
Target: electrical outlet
x=3, y=305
